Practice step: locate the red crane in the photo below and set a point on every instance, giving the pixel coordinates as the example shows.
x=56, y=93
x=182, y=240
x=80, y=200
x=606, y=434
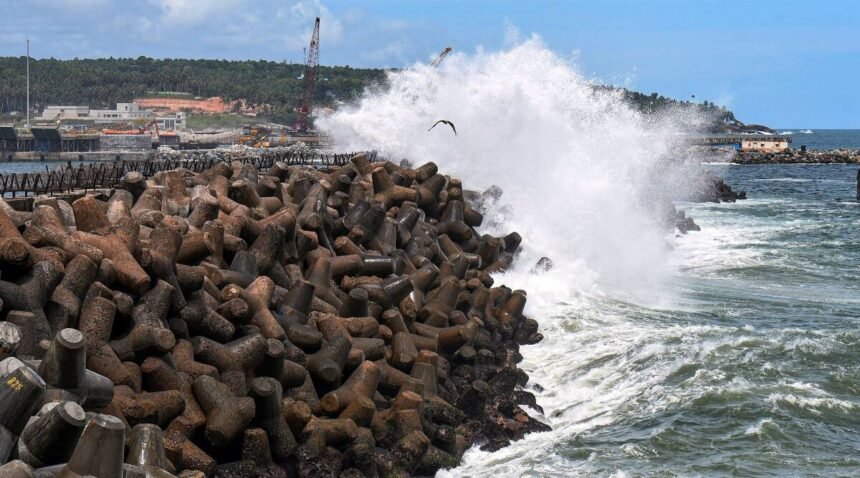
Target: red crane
x=311, y=67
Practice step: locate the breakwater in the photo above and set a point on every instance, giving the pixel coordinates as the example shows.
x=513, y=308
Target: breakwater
x=298, y=322
x=850, y=156
x=70, y=178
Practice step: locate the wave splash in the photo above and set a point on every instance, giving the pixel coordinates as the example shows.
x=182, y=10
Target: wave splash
x=583, y=176
x=582, y=173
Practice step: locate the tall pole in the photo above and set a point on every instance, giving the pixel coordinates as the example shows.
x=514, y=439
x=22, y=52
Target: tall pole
x=28, y=81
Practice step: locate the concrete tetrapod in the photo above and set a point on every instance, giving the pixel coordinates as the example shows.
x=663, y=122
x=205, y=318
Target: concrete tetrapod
x=237, y=321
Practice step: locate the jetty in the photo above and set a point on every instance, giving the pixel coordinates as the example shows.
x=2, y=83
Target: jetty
x=766, y=143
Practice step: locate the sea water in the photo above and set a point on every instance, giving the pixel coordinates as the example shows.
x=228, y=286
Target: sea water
x=734, y=351
x=823, y=139
x=752, y=369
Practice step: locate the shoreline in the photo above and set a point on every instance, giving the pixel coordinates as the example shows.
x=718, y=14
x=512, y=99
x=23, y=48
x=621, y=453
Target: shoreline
x=795, y=156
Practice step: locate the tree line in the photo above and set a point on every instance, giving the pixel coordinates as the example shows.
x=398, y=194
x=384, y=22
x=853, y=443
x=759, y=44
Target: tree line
x=652, y=104
x=101, y=83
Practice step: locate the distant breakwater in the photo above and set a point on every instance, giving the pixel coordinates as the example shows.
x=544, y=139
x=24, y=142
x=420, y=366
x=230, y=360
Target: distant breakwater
x=851, y=156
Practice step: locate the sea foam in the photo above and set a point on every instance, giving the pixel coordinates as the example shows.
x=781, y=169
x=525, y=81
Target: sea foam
x=583, y=175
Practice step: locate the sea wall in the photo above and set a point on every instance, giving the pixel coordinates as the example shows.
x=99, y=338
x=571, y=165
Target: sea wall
x=239, y=322
x=798, y=156
x=125, y=142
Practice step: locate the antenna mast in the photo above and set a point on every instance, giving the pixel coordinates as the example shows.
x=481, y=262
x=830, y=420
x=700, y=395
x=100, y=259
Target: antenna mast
x=28, y=81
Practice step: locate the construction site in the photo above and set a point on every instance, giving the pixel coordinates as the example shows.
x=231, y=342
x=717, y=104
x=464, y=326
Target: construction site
x=137, y=130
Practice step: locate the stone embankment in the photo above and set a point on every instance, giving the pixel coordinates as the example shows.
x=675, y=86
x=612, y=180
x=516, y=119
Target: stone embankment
x=227, y=322
x=797, y=156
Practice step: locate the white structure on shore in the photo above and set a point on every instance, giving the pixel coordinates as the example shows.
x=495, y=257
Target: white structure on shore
x=123, y=111
x=765, y=144
x=174, y=122
x=64, y=112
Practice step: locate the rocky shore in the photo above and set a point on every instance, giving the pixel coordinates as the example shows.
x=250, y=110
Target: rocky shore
x=712, y=188
x=237, y=322
x=851, y=156
x=708, y=187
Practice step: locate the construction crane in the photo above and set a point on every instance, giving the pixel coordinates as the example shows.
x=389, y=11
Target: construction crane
x=146, y=128
x=441, y=57
x=310, y=76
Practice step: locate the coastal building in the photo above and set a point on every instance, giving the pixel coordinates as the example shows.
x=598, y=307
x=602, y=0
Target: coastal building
x=174, y=122
x=760, y=143
x=765, y=144
x=64, y=112
x=123, y=112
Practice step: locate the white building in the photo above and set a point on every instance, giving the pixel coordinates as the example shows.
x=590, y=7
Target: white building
x=174, y=122
x=123, y=111
x=64, y=112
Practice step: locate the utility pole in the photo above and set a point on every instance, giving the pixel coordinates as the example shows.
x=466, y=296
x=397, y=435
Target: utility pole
x=28, y=81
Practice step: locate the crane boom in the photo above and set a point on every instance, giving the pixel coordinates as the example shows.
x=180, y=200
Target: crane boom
x=311, y=67
x=441, y=56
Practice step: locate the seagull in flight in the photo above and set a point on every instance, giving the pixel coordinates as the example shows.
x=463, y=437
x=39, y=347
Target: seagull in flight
x=447, y=123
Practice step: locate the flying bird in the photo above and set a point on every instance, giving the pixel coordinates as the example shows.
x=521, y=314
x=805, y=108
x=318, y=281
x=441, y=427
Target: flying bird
x=447, y=123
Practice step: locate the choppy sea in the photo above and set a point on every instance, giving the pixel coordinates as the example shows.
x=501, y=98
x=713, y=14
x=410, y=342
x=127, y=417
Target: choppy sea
x=749, y=366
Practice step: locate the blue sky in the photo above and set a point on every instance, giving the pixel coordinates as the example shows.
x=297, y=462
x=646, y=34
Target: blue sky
x=786, y=63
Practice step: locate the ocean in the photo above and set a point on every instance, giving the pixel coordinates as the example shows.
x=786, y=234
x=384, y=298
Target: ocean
x=820, y=139
x=823, y=139
x=748, y=363
x=20, y=167
x=733, y=351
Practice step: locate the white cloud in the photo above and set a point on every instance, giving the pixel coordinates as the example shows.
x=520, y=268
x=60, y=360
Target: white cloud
x=298, y=20
x=393, y=50
x=244, y=22
x=192, y=12
x=73, y=4
x=232, y=29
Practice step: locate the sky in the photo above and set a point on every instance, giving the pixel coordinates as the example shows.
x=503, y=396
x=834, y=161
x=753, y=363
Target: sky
x=786, y=63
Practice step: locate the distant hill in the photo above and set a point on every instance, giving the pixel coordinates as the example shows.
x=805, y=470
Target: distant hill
x=718, y=119
x=275, y=87
x=102, y=83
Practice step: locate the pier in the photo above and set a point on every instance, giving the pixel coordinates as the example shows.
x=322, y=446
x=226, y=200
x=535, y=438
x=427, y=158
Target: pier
x=745, y=142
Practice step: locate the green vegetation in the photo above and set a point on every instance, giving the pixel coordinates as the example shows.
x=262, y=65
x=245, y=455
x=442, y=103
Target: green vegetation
x=197, y=122
x=102, y=83
x=655, y=103
x=720, y=118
